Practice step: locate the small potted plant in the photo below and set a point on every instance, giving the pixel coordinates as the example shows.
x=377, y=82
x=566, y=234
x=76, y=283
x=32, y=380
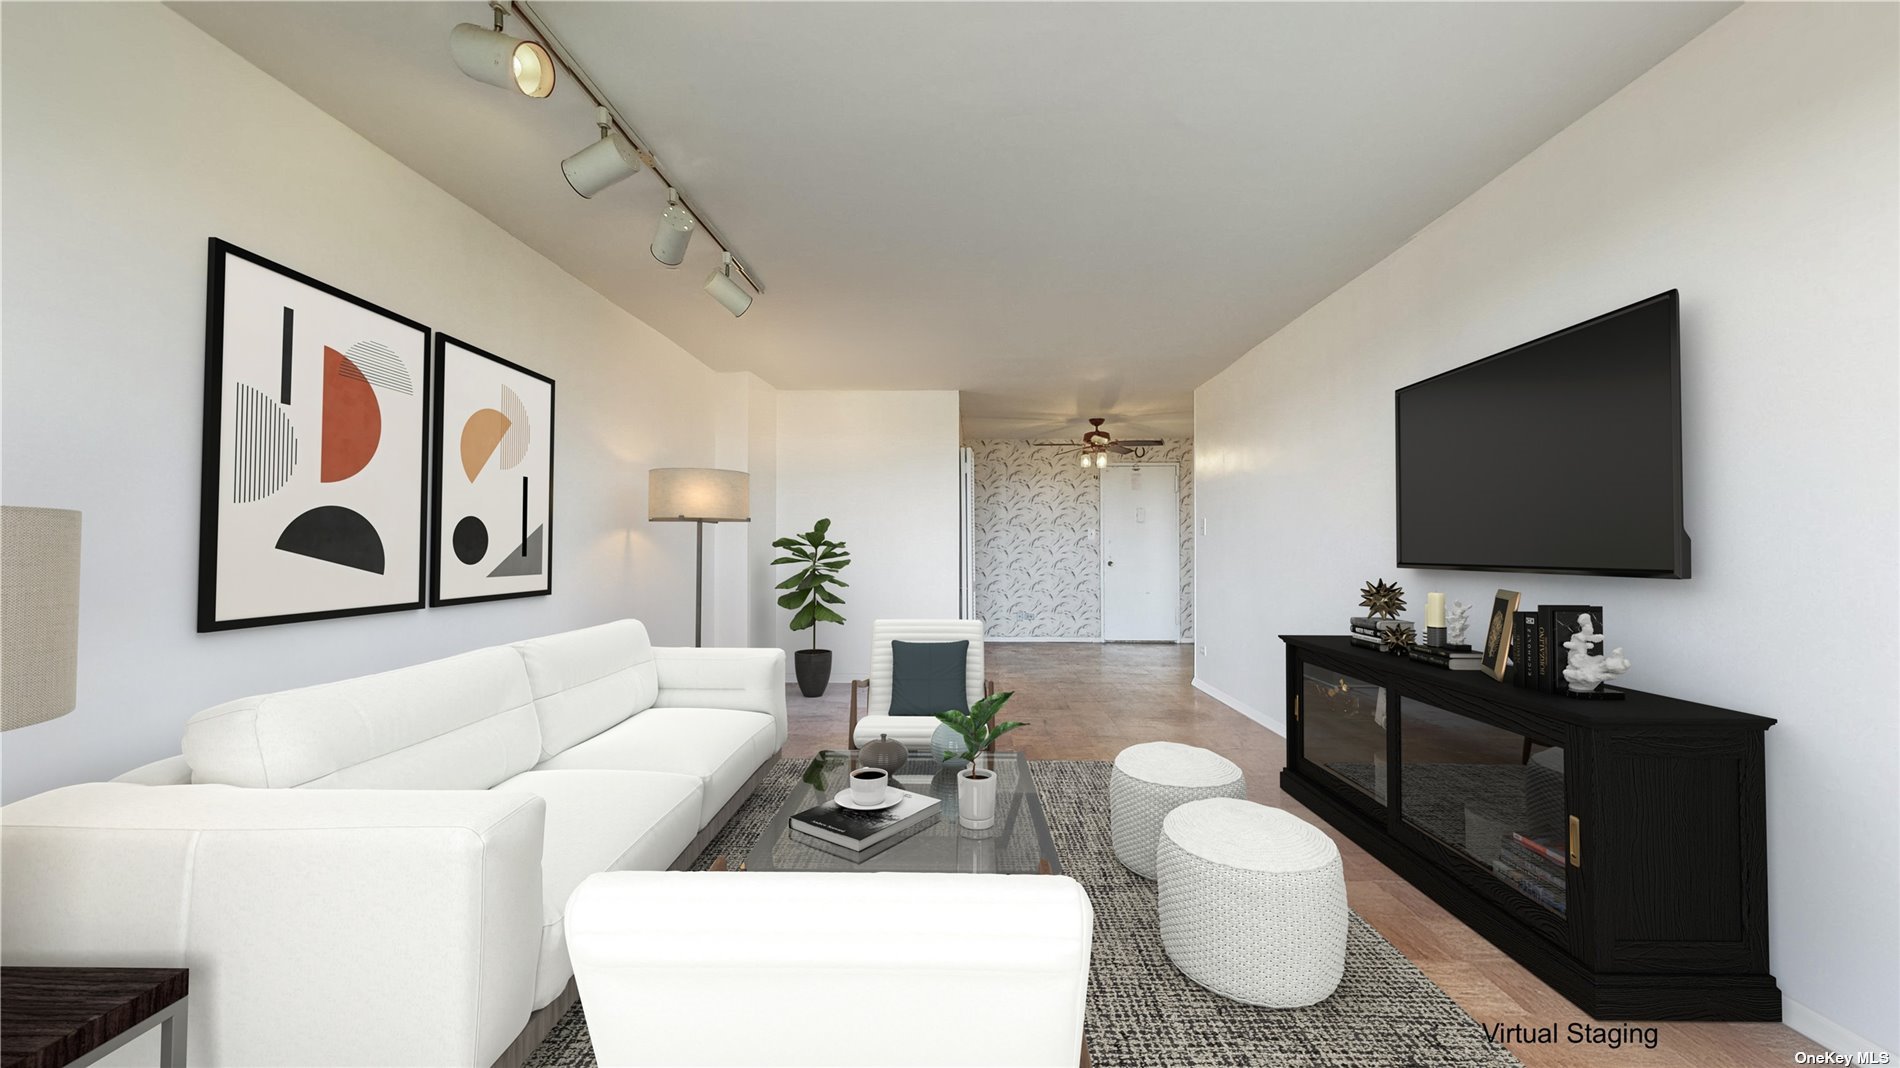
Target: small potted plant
x=976, y=786
x=810, y=599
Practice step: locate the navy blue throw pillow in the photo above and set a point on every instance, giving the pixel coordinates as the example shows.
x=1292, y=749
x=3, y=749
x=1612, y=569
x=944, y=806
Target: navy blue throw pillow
x=927, y=678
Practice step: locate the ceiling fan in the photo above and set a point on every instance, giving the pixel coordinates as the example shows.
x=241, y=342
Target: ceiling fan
x=1097, y=444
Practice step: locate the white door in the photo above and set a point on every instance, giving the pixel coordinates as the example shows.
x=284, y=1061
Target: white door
x=1141, y=553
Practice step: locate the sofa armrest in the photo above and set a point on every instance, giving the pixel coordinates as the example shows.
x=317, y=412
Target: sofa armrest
x=395, y=927
x=662, y=957
x=752, y=680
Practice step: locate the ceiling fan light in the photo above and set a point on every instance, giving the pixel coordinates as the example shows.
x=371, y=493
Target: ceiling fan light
x=1087, y=460
x=497, y=59
x=1101, y=459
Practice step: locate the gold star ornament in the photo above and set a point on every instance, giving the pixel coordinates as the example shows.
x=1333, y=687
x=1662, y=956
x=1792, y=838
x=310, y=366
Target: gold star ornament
x=1382, y=599
x=1397, y=641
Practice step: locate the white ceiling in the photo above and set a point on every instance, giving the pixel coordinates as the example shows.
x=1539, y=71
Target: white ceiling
x=1060, y=209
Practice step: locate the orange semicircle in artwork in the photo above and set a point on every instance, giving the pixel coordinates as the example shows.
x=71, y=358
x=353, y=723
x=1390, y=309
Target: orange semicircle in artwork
x=480, y=436
x=352, y=420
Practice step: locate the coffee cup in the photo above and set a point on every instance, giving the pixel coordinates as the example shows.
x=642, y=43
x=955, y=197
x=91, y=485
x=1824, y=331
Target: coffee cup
x=868, y=784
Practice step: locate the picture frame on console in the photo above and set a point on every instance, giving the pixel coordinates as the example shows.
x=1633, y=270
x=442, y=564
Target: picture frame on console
x=1497, y=640
x=312, y=491
x=493, y=485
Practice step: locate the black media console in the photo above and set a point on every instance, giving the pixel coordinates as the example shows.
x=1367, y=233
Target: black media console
x=1615, y=848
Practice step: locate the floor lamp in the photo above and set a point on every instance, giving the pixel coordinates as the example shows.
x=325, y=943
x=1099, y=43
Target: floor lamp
x=698, y=495
x=39, y=614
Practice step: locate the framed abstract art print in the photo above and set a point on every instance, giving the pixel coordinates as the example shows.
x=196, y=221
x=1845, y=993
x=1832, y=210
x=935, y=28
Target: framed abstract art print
x=312, y=489
x=494, y=478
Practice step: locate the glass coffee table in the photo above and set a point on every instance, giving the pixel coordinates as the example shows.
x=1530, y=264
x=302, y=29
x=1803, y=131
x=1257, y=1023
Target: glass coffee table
x=1018, y=843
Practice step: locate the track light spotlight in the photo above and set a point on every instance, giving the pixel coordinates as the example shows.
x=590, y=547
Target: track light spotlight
x=725, y=290
x=494, y=57
x=602, y=163
x=675, y=230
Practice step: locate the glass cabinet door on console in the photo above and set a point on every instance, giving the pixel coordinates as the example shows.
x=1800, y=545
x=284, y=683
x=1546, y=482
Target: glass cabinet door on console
x=1343, y=731
x=1493, y=797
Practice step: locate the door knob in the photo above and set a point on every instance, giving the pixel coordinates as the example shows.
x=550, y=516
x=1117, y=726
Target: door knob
x=1111, y=563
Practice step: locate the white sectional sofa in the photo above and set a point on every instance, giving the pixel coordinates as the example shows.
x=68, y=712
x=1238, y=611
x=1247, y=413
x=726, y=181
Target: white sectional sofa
x=375, y=871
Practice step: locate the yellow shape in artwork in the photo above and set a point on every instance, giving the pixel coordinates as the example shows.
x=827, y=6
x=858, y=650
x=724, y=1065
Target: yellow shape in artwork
x=480, y=436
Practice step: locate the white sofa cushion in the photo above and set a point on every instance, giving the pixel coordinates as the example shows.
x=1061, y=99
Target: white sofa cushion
x=721, y=747
x=731, y=968
x=388, y=927
x=600, y=821
x=585, y=681
x=464, y=723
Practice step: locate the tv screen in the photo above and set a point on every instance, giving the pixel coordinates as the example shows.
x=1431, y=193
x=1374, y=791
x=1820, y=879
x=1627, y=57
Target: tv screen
x=1578, y=462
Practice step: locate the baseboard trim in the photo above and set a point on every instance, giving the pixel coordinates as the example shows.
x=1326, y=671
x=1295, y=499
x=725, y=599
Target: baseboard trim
x=1275, y=725
x=1825, y=1031
x=992, y=639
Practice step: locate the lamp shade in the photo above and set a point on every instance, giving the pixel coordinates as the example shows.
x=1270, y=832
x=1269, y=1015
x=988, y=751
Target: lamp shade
x=39, y=614
x=703, y=494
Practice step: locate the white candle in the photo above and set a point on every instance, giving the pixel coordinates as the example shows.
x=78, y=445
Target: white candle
x=1434, y=609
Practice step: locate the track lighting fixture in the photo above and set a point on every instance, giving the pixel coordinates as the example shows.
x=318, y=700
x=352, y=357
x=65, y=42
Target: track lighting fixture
x=725, y=290
x=675, y=230
x=602, y=163
x=494, y=57
x=528, y=66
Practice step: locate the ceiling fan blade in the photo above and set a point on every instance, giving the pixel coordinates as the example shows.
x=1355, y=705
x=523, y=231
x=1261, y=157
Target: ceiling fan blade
x=1119, y=449
x=1141, y=443
x=1057, y=444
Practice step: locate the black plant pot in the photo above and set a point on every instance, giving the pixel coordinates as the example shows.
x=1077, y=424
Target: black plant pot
x=814, y=671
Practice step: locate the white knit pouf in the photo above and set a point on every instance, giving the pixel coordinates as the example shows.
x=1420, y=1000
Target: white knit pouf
x=1252, y=902
x=1149, y=780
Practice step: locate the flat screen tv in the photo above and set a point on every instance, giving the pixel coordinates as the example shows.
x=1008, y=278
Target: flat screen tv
x=1577, y=461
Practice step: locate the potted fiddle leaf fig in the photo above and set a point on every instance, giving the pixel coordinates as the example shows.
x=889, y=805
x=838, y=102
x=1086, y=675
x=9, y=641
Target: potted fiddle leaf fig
x=976, y=786
x=812, y=593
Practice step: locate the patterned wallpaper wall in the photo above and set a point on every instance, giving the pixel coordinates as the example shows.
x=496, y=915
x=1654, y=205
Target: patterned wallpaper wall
x=1038, y=540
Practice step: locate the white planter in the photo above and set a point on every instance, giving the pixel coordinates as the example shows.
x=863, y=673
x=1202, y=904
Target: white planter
x=976, y=800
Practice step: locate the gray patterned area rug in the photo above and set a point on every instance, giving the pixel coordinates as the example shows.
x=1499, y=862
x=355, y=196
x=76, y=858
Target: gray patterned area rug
x=1142, y=1011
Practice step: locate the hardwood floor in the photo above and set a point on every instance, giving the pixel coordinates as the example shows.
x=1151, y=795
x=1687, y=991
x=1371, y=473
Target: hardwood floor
x=1087, y=702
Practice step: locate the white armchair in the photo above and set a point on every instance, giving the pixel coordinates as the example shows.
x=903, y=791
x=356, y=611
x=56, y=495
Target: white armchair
x=780, y=968
x=872, y=717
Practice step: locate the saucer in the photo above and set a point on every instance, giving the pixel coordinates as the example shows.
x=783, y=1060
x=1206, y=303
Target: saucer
x=892, y=796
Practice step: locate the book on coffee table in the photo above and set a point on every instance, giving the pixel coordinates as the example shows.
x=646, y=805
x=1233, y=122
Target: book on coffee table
x=858, y=856
x=858, y=831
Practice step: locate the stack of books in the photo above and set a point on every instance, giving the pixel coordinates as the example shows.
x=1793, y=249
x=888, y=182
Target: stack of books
x=1366, y=630
x=857, y=835
x=1533, y=867
x=1538, y=656
x=1450, y=657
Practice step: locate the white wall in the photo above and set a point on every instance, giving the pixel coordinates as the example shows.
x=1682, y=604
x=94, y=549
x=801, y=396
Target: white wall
x=883, y=467
x=130, y=138
x=1756, y=170
x=739, y=604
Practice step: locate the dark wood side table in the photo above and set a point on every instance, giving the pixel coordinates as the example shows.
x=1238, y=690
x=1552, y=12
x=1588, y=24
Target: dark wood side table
x=71, y=1017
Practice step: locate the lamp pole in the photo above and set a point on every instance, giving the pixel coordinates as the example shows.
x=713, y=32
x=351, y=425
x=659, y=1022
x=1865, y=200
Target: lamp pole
x=699, y=575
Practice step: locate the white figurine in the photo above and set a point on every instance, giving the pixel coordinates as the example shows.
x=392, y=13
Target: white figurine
x=1587, y=672
x=1457, y=619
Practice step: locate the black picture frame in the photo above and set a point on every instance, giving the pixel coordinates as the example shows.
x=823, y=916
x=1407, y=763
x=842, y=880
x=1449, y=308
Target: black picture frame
x=220, y=253
x=440, y=530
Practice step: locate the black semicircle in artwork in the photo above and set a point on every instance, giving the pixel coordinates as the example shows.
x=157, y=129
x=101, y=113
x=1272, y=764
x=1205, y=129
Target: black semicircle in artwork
x=470, y=540
x=335, y=535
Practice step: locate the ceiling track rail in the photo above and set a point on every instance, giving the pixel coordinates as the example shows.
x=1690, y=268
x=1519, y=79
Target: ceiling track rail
x=565, y=58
